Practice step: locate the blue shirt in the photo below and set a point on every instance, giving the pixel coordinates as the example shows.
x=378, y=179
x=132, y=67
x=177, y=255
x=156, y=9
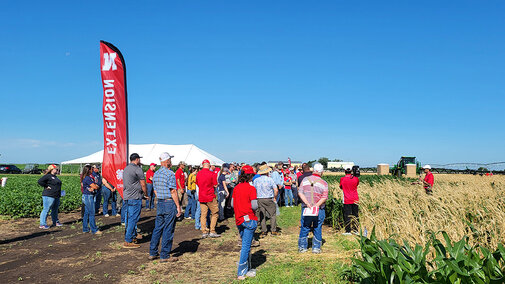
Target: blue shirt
x=278, y=178
x=256, y=176
x=98, y=179
x=220, y=180
x=163, y=181
x=86, y=182
x=265, y=186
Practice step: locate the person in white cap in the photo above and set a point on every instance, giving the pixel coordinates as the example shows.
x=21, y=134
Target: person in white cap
x=429, y=180
x=313, y=193
x=168, y=208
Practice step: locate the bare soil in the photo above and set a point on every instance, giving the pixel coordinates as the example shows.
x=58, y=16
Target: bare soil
x=65, y=254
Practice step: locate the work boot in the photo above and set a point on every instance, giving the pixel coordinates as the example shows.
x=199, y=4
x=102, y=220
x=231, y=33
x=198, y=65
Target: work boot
x=130, y=245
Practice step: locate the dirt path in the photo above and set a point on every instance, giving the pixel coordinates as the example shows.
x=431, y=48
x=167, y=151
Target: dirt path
x=66, y=254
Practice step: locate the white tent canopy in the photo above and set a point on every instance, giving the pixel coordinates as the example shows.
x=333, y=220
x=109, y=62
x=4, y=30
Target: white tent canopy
x=150, y=153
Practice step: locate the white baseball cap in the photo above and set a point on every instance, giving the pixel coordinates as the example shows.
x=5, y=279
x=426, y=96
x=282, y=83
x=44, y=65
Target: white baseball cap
x=165, y=156
x=427, y=167
x=318, y=168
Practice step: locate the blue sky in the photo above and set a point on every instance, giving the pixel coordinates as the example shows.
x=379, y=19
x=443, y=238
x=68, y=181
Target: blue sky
x=364, y=81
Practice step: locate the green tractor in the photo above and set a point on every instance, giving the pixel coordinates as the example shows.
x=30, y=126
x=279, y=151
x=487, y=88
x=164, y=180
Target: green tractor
x=400, y=169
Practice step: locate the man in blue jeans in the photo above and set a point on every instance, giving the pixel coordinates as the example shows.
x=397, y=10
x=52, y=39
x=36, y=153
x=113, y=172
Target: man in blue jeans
x=134, y=188
x=167, y=210
x=313, y=193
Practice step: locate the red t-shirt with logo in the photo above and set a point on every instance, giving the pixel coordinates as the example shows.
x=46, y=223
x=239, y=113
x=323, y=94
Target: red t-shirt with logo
x=287, y=179
x=149, y=176
x=206, y=181
x=349, y=185
x=429, y=179
x=180, y=178
x=243, y=194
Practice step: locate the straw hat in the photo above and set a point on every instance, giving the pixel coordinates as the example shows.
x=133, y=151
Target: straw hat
x=52, y=167
x=264, y=169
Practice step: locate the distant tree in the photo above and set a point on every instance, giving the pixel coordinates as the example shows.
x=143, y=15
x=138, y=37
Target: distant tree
x=482, y=169
x=336, y=160
x=324, y=161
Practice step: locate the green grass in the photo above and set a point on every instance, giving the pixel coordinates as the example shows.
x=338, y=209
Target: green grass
x=289, y=217
x=301, y=271
x=292, y=267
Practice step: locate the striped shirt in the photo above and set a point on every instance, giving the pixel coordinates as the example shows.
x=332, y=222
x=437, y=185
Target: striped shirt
x=163, y=181
x=314, y=188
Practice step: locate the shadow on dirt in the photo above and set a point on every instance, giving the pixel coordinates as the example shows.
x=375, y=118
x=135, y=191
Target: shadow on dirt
x=258, y=258
x=185, y=247
x=28, y=237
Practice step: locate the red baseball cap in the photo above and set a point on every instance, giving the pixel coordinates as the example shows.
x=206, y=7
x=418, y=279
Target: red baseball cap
x=205, y=162
x=247, y=169
x=152, y=164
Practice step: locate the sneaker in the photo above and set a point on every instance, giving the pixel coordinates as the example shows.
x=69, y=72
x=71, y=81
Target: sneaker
x=153, y=257
x=251, y=273
x=98, y=233
x=44, y=227
x=302, y=250
x=123, y=224
x=187, y=218
x=106, y=215
x=316, y=250
x=170, y=259
x=130, y=245
x=204, y=236
x=346, y=234
x=214, y=235
x=58, y=224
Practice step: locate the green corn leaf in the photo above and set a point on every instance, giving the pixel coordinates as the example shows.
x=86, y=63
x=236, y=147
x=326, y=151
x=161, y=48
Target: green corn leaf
x=366, y=265
x=448, y=243
x=455, y=267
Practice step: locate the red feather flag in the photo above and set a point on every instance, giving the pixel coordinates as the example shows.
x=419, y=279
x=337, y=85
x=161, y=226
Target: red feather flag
x=115, y=115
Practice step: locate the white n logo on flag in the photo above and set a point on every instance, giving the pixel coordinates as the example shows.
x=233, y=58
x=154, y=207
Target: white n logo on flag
x=108, y=61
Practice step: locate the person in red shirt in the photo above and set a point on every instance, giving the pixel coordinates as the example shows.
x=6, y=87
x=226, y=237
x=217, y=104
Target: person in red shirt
x=149, y=183
x=288, y=192
x=429, y=180
x=207, y=182
x=180, y=180
x=245, y=203
x=349, y=185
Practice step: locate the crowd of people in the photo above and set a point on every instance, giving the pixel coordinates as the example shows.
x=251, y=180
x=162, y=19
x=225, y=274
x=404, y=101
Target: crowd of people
x=209, y=194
